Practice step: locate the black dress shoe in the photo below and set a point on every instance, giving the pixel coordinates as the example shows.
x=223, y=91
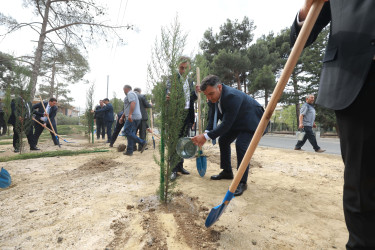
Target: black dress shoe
x=128, y=153
x=183, y=171
x=144, y=147
x=34, y=148
x=111, y=145
x=240, y=189
x=173, y=176
x=16, y=150
x=223, y=175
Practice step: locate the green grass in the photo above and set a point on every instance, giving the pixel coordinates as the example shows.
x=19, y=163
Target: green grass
x=70, y=129
x=50, y=154
x=5, y=142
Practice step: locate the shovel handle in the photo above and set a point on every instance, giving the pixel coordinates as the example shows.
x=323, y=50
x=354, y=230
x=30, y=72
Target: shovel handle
x=48, y=129
x=288, y=69
x=199, y=104
x=53, y=130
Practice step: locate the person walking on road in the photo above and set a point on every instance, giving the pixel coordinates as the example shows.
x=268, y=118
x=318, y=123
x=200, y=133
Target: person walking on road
x=307, y=123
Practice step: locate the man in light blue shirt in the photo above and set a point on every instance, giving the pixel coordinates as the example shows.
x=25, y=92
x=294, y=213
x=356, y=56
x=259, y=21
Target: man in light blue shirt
x=132, y=117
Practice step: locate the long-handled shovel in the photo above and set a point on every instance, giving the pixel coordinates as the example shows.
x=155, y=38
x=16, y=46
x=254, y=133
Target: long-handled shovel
x=57, y=138
x=217, y=211
x=51, y=131
x=5, y=179
x=201, y=160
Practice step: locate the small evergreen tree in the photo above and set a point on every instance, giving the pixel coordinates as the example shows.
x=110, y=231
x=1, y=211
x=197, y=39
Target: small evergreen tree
x=163, y=75
x=89, y=117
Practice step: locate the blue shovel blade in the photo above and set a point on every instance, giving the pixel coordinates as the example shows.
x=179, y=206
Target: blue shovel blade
x=5, y=179
x=216, y=212
x=201, y=164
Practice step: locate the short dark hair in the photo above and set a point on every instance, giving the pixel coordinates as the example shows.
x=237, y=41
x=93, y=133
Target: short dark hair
x=52, y=99
x=183, y=59
x=128, y=87
x=138, y=90
x=210, y=80
x=106, y=99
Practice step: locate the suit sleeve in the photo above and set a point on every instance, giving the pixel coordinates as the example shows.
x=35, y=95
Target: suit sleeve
x=37, y=108
x=145, y=103
x=231, y=105
x=323, y=20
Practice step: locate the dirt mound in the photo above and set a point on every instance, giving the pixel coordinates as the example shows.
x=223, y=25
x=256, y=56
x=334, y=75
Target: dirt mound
x=179, y=224
x=97, y=165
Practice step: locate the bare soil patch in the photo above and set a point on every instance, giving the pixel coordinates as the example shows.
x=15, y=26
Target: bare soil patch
x=108, y=201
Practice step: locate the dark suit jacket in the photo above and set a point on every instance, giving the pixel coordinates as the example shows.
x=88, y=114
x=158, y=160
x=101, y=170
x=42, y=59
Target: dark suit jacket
x=14, y=114
x=240, y=113
x=98, y=115
x=108, y=112
x=350, y=49
x=39, y=112
x=143, y=105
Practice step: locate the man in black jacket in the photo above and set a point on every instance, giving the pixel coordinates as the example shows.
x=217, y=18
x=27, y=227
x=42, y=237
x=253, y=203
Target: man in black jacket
x=190, y=98
x=42, y=117
x=107, y=110
x=99, y=118
x=240, y=115
x=143, y=105
x=347, y=85
x=20, y=119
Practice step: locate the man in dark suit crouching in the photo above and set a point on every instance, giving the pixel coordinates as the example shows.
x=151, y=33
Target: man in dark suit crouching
x=239, y=115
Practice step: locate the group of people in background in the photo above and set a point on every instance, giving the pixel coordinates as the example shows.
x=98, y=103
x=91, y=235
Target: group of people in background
x=133, y=118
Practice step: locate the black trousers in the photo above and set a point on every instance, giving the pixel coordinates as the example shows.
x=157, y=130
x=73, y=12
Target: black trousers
x=100, y=128
x=108, y=125
x=142, y=127
x=29, y=135
x=243, y=140
x=116, y=131
x=39, y=129
x=183, y=133
x=309, y=135
x=357, y=139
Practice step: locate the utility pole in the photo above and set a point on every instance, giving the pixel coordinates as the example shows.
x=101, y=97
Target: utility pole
x=107, y=84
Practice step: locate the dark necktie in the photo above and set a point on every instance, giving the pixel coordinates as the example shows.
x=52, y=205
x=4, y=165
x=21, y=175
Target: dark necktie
x=215, y=122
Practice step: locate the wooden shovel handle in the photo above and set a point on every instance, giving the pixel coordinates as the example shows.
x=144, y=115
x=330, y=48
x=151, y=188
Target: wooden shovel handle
x=288, y=69
x=199, y=122
x=41, y=101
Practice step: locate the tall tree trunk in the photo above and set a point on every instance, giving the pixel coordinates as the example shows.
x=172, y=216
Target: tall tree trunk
x=237, y=76
x=39, y=52
x=52, y=84
x=296, y=95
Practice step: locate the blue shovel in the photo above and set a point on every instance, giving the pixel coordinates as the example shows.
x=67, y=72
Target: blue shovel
x=5, y=179
x=201, y=160
x=217, y=211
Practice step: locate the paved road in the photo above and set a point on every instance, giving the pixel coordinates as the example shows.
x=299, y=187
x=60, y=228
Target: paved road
x=331, y=145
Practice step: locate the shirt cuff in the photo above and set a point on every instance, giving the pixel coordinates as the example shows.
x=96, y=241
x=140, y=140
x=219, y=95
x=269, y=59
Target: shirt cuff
x=298, y=21
x=206, y=136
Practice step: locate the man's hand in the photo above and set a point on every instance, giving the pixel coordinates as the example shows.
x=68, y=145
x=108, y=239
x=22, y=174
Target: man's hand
x=149, y=130
x=92, y=111
x=197, y=88
x=121, y=120
x=46, y=114
x=301, y=126
x=314, y=125
x=305, y=9
x=44, y=125
x=168, y=97
x=130, y=118
x=199, y=140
